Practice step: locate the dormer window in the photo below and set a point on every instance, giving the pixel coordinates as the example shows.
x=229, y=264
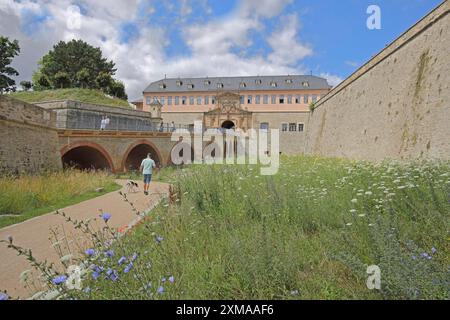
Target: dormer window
x=220, y=85
x=289, y=81
x=179, y=83
x=243, y=85
x=162, y=86
x=190, y=86
x=258, y=81
x=273, y=84
x=305, y=83
x=207, y=82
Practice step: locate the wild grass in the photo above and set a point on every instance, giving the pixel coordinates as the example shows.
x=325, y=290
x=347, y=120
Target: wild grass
x=308, y=232
x=25, y=197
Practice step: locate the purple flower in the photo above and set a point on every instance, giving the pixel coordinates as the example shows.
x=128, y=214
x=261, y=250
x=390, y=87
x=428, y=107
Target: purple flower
x=90, y=252
x=163, y=279
x=433, y=250
x=425, y=256
x=159, y=239
x=160, y=289
x=106, y=216
x=122, y=260
x=3, y=296
x=414, y=257
x=95, y=275
x=171, y=279
x=59, y=279
x=109, y=253
x=134, y=257
x=114, y=275
x=108, y=273
x=128, y=267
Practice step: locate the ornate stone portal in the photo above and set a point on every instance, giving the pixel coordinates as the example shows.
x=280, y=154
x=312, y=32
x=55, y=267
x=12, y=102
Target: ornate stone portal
x=228, y=113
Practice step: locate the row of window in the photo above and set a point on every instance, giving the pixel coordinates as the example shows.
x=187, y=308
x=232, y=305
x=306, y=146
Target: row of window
x=220, y=85
x=200, y=100
x=285, y=127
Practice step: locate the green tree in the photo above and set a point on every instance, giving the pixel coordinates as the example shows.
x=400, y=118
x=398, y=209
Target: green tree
x=117, y=89
x=104, y=81
x=61, y=80
x=26, y=85
x=70, y=58
x=8, y=50
x=83, y=78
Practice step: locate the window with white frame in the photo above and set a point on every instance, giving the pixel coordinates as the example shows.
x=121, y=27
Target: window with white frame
x=191, y=100
x=284, y=127
x=297, y=99
x=206, y=100
x=148, y=100
x=264, y=126
x=257, y=99
x=281, y=99
x=169, y=100
x=305, y=98
x=292, y=127
x=163, y=100
x=301, y=127
x=273, y=99
x=177, y=100
x=242, y=99
x=266, y=99
x=249, y=99
x=183, y=100
x=199, y=100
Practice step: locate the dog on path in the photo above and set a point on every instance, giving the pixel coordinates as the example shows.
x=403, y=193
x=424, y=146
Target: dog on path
x=132, y=186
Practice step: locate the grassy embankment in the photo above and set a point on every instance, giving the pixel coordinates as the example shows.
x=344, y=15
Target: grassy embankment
x=308, y=232
x=83, y=95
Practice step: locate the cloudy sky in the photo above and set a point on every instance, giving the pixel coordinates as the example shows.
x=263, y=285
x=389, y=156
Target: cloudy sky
x=148, y=39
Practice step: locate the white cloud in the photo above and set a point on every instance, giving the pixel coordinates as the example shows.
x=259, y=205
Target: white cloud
x=287, y=49
x=213, y=45
x=333, y=80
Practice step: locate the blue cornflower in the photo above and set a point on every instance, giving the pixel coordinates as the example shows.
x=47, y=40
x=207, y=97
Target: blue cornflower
x=160, y=289
x=3, y=296
x=90, y=252
x=171, y=279
x=425, y=256
x=414, y=257
x=128, y=267
x=59, y=279
x=114, y=275
x=95, y=275
x=109, y=253
x=108, y=273
x=159, y=239
x=122, y=260
x=134, y=257
x=163, y=279
x=433, y=250
x=106, y=216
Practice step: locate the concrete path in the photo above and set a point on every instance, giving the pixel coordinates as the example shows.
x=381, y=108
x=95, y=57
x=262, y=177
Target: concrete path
x=35, y=234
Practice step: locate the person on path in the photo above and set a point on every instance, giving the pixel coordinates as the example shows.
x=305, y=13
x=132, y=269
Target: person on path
x=147, y=166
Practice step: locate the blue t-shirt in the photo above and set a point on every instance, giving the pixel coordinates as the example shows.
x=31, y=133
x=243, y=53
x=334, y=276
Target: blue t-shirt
x=147, y=165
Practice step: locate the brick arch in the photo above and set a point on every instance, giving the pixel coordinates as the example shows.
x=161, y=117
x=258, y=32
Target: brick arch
x=90, y=144
x=138, y=143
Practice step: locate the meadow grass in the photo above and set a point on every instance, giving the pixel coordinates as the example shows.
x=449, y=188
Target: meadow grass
x=308, y=232
x=22, y=198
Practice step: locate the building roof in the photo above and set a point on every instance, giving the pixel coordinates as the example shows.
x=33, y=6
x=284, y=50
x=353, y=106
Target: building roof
x=254, y=83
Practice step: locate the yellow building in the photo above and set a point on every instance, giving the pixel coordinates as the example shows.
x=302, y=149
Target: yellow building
x=266, y=102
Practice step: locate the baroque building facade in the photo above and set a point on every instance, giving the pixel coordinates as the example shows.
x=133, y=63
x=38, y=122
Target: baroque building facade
x=258, y=102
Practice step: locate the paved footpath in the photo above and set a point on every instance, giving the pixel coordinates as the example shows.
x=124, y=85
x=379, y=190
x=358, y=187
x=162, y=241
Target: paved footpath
x=35, y=233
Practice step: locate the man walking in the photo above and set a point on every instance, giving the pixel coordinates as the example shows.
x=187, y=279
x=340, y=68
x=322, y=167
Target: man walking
x=147, y=166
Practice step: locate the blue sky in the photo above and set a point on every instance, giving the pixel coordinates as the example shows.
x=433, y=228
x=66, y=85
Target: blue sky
x=150, y=39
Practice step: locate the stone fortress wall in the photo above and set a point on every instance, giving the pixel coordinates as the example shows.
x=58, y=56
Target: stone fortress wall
x=29, y=140
x=397, y=105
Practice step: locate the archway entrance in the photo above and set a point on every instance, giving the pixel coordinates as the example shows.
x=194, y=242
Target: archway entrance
x=85, y=158
x=228, y=124
x=137, y=154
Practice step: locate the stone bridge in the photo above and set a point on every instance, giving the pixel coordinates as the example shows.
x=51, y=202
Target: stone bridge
x=117, y=151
